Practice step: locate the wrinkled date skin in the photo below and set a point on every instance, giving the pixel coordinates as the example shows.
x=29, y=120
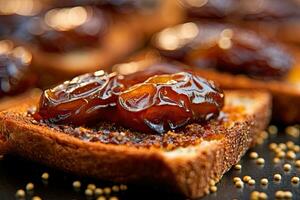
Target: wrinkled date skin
x=155, y=105
x=229, y=49
x=168, y=102
x=86, y=98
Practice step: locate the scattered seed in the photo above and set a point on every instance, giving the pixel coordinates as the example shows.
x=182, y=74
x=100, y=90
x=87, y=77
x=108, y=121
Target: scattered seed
x=29, y=186
x=36, y=198
x=292, y=131
x=277, y=177
x=213, y=189
x=113, y=198
x=239, y=184
x=253, y=155
x=101, y=198
x=260, y=161
x=238, y=167
x=20, y=193
x=296, y=148
x=273, y=146
x=116, y=188
x=282, y=146
x=236, y=179
x=290, y=144
x=77, y=184
x=273, y=129
x=287, y=167
x=45, y=176
x=1, y=157
x=254, y=195
x=279, y=194
x=91, y=186
x=297, y=163
x=98, y=191
x=288, y=195
x=280, y=154
x=123, y=187
x=251, y=182
x=291, y=155
x=212, y=182
x=276, y=160
x=107, y=190
x=262, y=196
x=88, y=192
x=247, y=178
x=264, y=181
x=295, y=180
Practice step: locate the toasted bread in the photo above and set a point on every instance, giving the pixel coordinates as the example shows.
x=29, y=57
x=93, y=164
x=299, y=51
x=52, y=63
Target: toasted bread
x=286, y=93
x=186, y=170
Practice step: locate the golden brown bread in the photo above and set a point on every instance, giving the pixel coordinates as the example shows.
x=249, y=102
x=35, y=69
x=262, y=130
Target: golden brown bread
x=286, y=93
x=185, y=170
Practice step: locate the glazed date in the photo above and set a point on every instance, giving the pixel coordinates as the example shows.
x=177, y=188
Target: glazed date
x=225, y=48
x=243, y=9
x=158, y=104
x=168, y=102
x=65, y=29
x=15, y=73
x=84, y=99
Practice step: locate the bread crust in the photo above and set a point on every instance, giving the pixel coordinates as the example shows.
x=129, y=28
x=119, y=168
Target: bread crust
x=186, y=173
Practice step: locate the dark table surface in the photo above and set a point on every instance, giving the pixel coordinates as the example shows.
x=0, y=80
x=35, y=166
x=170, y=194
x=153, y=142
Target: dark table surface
x=15, y=173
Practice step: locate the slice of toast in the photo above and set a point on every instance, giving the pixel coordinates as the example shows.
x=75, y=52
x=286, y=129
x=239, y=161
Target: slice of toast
x=183, y=169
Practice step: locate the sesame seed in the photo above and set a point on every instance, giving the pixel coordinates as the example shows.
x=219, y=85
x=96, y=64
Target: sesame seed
x=276, y=160
x=282, y=146
x=113, y=198
x=91, y=186
x=297, y=163
x=236, y=179
x=264, y=181
x=76, y=184
x=254, y=195
x=288, y=195
x=212, y=182
x=262, y=196
x=273, y=146
x=295, y=180
x=251, y=182
x=290, y=144
x=45, y=176
x=36, y=198
x=253, y=155
x=107, y=190
x=292, y=131
x=123, y=187
x=88, y=192
x=273, y=129
x=246, y=179
x=296, y=148
x=1, y=157
x=260, y=161
x=29, y=186
x=280, y=154
x=213, y=188
x=20, y=193
x=279, y=194
x=98, y=191
x=101, y=198
x=291, y=155
x=287, y=167
x=115, y=188
x=238, y=167
x=277, y=177
x=239, y=184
